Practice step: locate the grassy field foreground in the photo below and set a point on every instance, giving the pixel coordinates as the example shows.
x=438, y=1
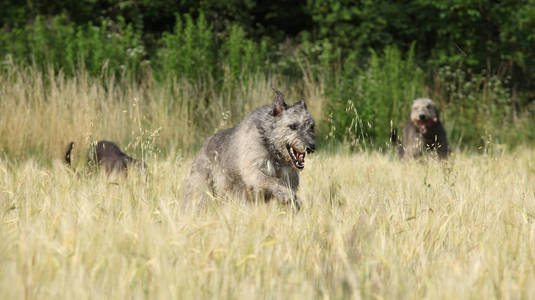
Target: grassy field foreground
x=371, y=226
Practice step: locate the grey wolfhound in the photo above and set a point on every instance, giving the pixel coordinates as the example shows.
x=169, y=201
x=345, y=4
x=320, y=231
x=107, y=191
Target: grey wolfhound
x=259, y=157
x=108, y=155
x=423, y=132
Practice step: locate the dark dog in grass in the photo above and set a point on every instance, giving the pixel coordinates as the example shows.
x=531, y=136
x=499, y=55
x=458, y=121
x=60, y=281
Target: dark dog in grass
x=423, y=132
x=107, y=155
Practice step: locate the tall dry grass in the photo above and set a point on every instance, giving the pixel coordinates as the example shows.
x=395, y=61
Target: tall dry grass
x=42, y=113
x=371, y=227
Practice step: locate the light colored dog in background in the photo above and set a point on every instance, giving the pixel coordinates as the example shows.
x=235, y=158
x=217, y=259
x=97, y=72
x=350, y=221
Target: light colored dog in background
x=423, y=132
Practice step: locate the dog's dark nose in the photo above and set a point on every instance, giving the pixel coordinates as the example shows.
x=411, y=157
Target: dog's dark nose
x=310, y=148
x=422, y=117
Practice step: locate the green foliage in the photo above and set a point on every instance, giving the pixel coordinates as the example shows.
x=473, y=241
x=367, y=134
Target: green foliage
x=351, y=26
x=479, y=108
x=189, y=51
x=474, y=57
x=114, y=47
x=366, y=101
x=244, y=57
x=476, y=33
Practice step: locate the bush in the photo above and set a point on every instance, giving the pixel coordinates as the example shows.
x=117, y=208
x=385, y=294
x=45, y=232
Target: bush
x=244, y=57
x=480, y=108
x=189, y=51
x=366, y=101
x=113, y=47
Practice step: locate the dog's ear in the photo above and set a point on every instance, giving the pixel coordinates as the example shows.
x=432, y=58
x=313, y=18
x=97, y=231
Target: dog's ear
x=278, y=105
x=302, y=103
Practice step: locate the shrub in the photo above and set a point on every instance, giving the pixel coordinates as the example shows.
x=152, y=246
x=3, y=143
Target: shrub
x=366, y=101
x=114, y=47
x=244, y=57
x=189, y=51
x=480, y=108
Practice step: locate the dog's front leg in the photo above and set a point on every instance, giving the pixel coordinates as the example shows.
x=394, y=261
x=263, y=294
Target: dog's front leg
x=286, y=195
x=263, y=183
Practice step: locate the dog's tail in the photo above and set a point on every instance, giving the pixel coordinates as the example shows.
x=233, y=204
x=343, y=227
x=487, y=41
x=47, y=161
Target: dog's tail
x=396, y=143
x=394, y=137
x=68, y=154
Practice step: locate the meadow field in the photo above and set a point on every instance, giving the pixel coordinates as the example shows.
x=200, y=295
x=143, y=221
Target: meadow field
x=371, y=226
x=158, y=77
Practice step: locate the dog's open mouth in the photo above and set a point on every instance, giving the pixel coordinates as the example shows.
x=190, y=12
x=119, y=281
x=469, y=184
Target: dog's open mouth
x=298, y=158
x=424, y=124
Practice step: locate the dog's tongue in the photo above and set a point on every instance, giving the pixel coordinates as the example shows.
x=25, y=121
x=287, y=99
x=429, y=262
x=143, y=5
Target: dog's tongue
x=428, y=122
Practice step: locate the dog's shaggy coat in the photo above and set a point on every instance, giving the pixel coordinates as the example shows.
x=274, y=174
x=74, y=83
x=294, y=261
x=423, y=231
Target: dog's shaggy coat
x=107, y=155
x=259, y=158
x=423, y=132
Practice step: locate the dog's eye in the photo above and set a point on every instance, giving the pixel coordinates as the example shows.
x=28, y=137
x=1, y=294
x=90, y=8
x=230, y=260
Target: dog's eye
x=293, y=126
x=312, y=127
x=428, y=106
